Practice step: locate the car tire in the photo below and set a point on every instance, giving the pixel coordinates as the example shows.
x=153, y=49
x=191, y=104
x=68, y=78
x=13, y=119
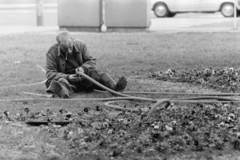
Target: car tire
x=171, y=14
x=227, y=10
x=161, y=10
x=238, y=13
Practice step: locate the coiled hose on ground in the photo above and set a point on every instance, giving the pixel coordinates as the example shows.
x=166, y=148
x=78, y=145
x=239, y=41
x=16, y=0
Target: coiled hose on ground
x=164, y=103
x=159, y=102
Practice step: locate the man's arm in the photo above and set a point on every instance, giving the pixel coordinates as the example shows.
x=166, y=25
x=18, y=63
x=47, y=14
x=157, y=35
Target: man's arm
x=88, y=60
x=51, y=66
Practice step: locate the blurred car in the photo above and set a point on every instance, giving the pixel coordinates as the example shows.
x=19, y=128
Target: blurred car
x=169, y=8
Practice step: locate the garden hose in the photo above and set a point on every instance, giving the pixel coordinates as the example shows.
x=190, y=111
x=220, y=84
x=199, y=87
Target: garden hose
x=210, y=97
x=101, y=86
x=24, y=85
x=153, y=108
x=108, y=104
x=148, y=99
x=207, y=98
x=158, y=102
x=177, y=93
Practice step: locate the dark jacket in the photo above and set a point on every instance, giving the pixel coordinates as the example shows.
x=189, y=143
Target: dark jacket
x=56, y=61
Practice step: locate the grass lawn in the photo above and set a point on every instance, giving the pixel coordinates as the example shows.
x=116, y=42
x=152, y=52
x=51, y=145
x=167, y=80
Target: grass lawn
x=130, y=54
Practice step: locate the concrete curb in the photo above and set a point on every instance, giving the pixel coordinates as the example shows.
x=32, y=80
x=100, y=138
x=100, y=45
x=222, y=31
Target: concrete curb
x=5, y=30
x=25, y=6
x=195, y=30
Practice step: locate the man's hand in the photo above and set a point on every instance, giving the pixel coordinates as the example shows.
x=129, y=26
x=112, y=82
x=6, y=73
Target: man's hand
x=74, y=78
x=79, y=70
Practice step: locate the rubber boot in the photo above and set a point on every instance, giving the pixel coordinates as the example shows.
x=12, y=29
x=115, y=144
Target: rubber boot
x=121, y=84
x=107, y=81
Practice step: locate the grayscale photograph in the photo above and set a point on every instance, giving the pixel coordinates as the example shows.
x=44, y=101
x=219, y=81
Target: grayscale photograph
x=120, y=80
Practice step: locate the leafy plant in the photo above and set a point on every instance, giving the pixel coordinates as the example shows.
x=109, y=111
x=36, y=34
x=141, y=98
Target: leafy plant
x=226, y=79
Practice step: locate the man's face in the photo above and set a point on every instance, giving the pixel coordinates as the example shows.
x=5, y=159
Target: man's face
x=67, y=45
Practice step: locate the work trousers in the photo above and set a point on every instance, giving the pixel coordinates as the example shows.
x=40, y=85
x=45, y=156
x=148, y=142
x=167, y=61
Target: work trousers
x=84, y=84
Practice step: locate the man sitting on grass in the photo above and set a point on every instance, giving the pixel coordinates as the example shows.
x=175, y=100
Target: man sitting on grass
x=62, y=61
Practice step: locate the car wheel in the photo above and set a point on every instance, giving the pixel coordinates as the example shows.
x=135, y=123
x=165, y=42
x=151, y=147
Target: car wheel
x=161, y=10
x=238, y=13
x=171, y=14
x=227, y=10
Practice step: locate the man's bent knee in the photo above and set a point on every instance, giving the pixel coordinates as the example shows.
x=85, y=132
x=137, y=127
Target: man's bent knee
x=107, y=81
x=66, y=84
x=63, y=80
